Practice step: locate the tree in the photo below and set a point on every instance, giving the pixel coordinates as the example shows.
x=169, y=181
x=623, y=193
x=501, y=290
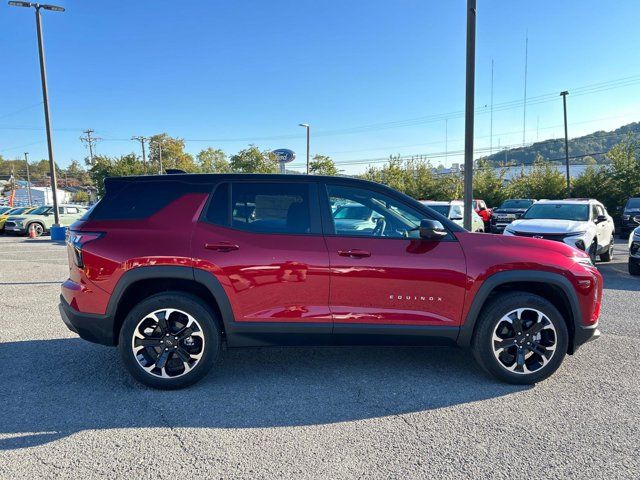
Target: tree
x=488, y=184
x=541, y=180
x=80, y=197
x=252, y=160
x=625, y=170
x=213, y=161
x=76, y=172
x=173, y=154
x=104, y=167
x=322, y=165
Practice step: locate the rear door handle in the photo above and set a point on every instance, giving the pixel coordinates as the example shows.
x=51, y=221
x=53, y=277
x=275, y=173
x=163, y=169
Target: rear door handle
x=221, y=246
x=354, y=253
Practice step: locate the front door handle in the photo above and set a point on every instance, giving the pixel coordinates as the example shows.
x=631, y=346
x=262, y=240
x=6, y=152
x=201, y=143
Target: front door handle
x=354, y=253
x=221, y=246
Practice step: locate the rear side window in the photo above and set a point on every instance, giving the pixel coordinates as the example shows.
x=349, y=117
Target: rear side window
x=218, y=210
x=128, y=200
x=263, y=207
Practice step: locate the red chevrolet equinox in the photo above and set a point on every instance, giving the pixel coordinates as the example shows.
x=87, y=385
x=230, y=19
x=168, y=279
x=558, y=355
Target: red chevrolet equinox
x=169, y=268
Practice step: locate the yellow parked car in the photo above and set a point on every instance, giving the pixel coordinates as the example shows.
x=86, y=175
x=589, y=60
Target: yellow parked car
x=12, y=211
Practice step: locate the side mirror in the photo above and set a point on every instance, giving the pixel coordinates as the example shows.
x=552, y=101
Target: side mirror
x=601, y=218
x=431, y=229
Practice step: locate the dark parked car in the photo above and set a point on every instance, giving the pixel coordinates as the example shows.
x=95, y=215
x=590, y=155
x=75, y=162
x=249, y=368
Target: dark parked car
x=509, y=211
x=170, y=267
x=629, y=213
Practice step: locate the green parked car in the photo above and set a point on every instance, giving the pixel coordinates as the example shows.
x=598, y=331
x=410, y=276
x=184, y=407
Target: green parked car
x=42, y=218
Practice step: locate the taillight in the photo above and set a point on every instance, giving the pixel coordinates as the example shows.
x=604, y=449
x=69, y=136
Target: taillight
x=77, y=240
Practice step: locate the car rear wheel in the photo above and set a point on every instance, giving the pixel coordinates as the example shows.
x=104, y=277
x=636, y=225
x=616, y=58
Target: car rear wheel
x=38, y=228
x=170, y=340
x=520, y=338
x=607, y=255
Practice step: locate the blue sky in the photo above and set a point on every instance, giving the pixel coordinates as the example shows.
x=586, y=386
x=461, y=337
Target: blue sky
x=238, y=72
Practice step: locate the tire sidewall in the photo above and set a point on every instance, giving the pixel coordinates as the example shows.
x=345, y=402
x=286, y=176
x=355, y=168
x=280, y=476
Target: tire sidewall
x=181, y=301
x=482, y=342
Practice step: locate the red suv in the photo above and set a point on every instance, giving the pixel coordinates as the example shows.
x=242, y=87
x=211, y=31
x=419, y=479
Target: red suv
x=171, y=267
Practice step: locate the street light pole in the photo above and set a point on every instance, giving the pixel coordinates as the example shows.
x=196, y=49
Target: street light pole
x=468, y=118
x=308, y=127
x=26, y=160
x=566, y=140
x=45, y=99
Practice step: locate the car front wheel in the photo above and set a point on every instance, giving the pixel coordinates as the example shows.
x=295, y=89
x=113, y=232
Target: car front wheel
x=520, y=338
x=170, y=340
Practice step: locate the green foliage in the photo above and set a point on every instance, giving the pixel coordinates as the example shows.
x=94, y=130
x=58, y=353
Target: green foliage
x=80, y=197
x=252, y=160
x=322, y=165
x=489, y=184
x=213, y=161
x=104, y=167
x=173, y=154
x=542, y=180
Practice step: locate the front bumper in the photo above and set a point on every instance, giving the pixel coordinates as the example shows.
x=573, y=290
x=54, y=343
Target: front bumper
x=90, y=326
x=585, y=334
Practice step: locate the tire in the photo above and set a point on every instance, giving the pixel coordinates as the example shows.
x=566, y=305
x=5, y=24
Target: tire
x=593, y=252
x=38, y=227
x=608, y=254
x=186, y=360
x=552, y=338
x=634, y=268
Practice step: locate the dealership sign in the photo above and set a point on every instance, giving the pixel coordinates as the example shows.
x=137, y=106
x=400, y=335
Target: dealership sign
x=284, y=155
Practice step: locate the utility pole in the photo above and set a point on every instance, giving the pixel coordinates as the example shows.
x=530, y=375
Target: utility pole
x=566, y=140
x=491, y=120
x=159, y=144
x=26, y=160
x=524, y=104
x=308, y=127
x=144, y=153
x=469, y=110
x=45, y=97
x=90, y=141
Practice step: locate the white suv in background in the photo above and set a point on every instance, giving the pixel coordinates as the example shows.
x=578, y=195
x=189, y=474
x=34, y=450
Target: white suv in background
x=580, y=222
x=454, y=211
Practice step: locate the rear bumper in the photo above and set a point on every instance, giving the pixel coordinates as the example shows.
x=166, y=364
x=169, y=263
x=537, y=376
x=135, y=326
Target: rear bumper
x=92, y=327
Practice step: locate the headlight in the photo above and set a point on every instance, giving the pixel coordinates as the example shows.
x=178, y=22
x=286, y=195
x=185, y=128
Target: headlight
x=508, y=230
x=575, y=234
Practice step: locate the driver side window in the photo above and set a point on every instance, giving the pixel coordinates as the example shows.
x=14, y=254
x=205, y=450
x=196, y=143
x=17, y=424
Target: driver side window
x=365, y=213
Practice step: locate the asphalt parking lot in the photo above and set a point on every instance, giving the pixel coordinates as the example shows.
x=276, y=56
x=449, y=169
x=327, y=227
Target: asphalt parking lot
x=68, y=408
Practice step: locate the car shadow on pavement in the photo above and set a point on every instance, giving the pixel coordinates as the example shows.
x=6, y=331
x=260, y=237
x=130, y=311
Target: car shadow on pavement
x=54, y=388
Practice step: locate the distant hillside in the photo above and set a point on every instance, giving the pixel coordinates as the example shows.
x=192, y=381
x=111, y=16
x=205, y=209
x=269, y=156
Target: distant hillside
x=553, y=149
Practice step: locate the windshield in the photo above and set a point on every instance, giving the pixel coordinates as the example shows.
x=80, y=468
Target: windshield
x=441, y=209
x=633, y=203
x=18, y=211
x=352, y=213
x=521, y=204
x=40, y=210
x=558, y=211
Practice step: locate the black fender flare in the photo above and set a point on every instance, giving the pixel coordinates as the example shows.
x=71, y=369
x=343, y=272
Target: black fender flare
x=511, y=276
x=208, y=280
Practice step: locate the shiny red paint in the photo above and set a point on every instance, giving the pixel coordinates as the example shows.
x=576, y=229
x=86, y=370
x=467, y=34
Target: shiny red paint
x=314, y=278
x=402, y=281
x=268, y=277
